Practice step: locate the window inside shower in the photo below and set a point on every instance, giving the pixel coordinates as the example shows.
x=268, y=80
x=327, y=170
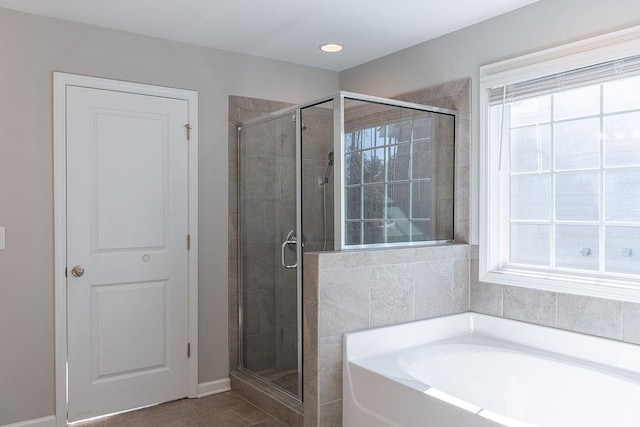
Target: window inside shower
x=398, y=175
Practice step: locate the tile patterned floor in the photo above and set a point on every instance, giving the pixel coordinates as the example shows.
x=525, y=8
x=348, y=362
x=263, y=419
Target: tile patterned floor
x=220, y=410
x=285, y=380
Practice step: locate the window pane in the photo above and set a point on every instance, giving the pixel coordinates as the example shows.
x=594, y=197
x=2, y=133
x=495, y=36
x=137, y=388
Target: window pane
x=373, y=163
x=374, y=201
x=622, y=140
x=351, y=141
x=580, y=102
x=529, y=244
x=531, y=197
x=531, y=111
x=578, y=196
x=621, y=95
x=422, y=203
x=622, y=250
x=422, y=158
x=421, y=231
x=398, y=201
x=353, y=168
x=577, y=247
x=577, y=144
x=398, y=231
x=622, y=196
x=353, y=233
x=400, y=132
x=353, y=208
x=531, y=149
x=380, y=136
x=367, y=137
x=374, y=232
x=399, y=161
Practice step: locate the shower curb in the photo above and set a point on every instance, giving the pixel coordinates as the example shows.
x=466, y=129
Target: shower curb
x=270, y=399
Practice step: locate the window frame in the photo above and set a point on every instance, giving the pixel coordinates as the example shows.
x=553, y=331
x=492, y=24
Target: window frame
x=494, y=185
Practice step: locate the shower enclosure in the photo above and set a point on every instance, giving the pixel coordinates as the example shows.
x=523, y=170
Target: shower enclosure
x=345, y=171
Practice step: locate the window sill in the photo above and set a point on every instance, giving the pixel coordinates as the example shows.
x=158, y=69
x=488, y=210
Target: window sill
x=622, y=290
x=399, y=245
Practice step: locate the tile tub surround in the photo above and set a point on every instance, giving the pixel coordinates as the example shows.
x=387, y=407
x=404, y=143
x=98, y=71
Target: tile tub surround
x=356, y=290
x=619, y=320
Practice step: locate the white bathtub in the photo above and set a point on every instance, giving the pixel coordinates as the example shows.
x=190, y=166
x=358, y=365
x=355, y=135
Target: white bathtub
x=472, y=370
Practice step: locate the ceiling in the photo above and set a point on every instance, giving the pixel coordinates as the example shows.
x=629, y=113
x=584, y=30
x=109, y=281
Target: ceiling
x=288, y=30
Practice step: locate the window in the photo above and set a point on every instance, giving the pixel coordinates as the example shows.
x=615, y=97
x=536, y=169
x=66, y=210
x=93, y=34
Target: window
x=561, y=189
x=398, y=170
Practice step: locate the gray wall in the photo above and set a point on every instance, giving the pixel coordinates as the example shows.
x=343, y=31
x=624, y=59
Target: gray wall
x=31, y=48
x=541, y=25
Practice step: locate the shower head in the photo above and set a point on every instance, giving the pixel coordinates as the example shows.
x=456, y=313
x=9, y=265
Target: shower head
x=331, y=158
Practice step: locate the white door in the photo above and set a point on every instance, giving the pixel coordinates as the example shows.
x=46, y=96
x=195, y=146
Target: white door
x=127, y=222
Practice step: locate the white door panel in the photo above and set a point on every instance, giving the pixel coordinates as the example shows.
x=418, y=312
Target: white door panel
x=127, y=222
x=133, y=218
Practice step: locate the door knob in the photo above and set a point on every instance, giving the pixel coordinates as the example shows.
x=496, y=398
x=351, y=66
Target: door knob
x=77, y=271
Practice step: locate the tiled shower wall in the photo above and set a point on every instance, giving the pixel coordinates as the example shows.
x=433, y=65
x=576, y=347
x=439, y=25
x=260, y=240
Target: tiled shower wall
x=355, y=290
x=317, y=142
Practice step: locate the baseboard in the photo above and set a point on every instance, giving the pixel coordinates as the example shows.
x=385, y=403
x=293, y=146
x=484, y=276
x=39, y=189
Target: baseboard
x=214, y=387
x=49, y=421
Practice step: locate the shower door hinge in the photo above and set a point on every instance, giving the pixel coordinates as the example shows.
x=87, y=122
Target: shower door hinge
x=188, y=242
x=188, y=127
x=188, y=349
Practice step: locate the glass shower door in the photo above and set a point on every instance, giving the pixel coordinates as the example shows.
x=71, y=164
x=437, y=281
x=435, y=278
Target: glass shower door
x=269, y=251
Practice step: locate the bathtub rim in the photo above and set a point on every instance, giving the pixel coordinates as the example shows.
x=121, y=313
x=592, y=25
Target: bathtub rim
x=589, y=348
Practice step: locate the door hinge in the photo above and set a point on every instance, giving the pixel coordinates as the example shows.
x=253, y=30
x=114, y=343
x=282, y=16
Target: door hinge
x=188, y=349
x=188, y=241
x=188, y=127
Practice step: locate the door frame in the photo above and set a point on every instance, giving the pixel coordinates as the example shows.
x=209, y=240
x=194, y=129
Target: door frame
x=60, y=83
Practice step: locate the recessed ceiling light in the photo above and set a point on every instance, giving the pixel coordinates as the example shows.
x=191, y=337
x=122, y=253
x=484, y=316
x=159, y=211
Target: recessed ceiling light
x=331, y=47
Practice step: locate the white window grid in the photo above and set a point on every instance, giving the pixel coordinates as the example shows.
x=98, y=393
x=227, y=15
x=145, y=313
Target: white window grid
x=602, y=223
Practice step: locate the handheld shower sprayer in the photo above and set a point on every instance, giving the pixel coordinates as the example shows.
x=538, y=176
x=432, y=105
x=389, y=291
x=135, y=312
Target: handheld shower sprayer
x=324, y=179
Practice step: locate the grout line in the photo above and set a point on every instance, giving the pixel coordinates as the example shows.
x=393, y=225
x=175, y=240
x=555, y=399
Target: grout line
x=622, y=322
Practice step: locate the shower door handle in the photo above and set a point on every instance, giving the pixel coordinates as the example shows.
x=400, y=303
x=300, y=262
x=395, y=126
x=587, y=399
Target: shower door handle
x=291, y=241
